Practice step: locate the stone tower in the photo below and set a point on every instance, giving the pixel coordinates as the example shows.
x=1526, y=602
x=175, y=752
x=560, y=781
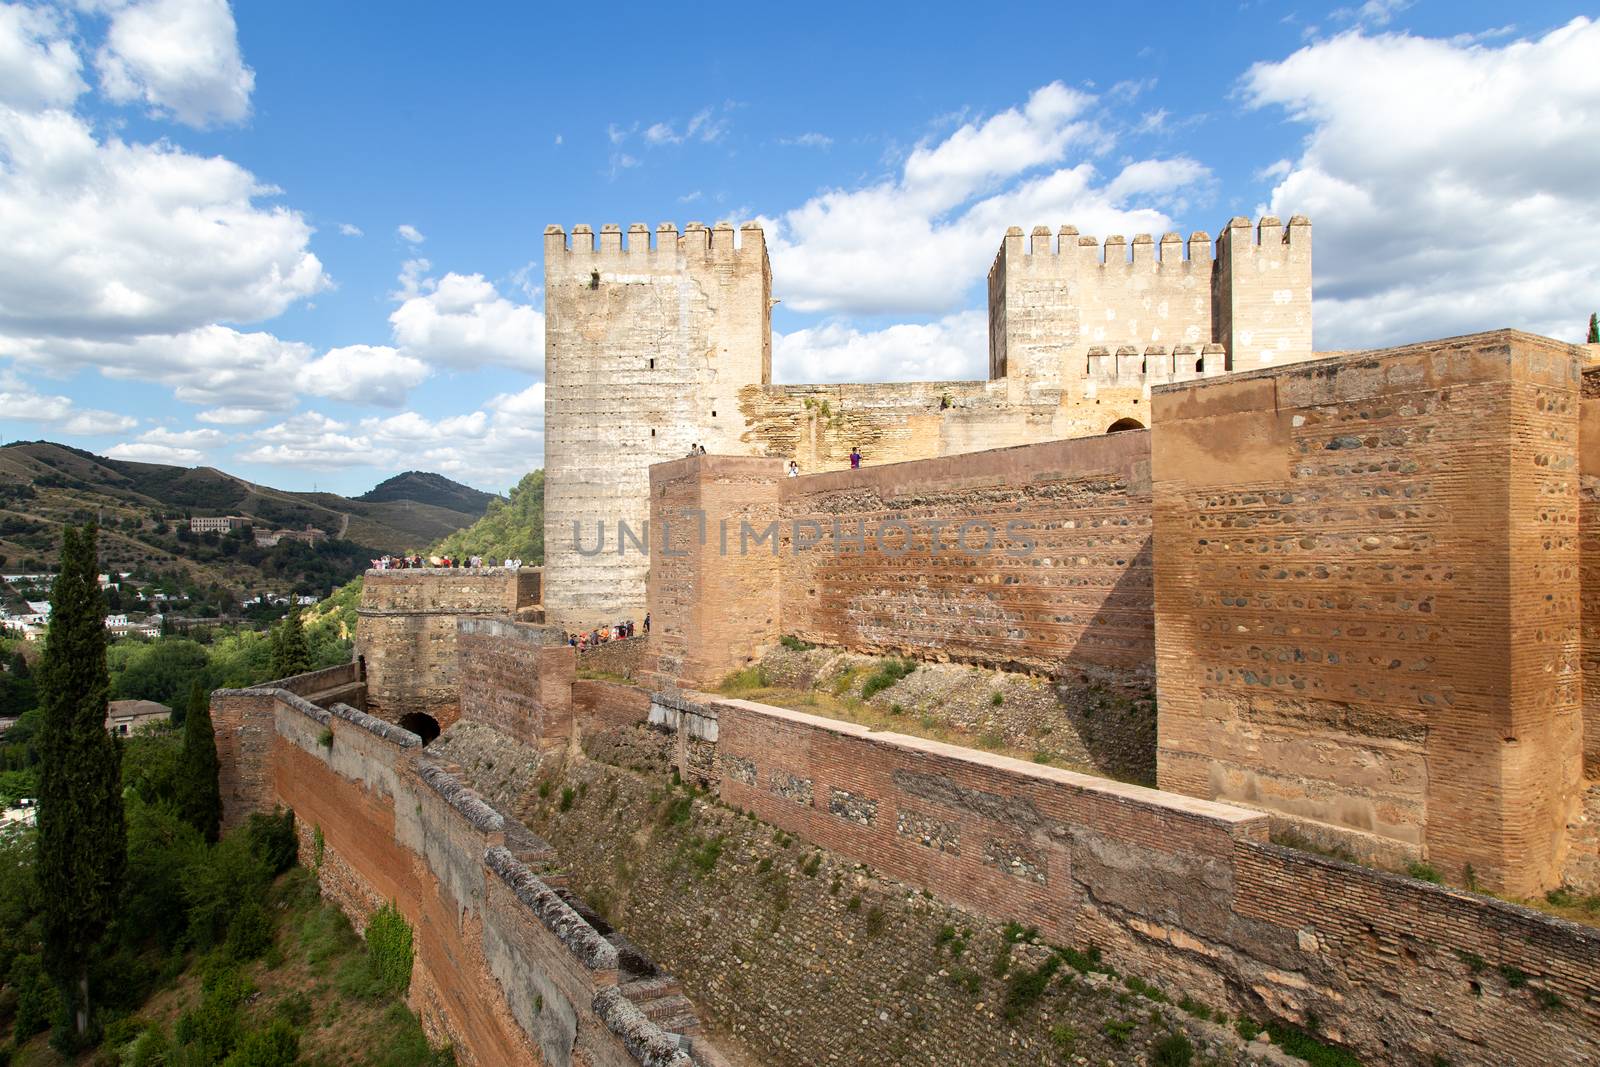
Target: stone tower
x=647, y=346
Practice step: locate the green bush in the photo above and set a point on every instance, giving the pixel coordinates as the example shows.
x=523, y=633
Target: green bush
x=276, y=1046
x=1174, y=1050
x=886, y=675
x=37, y=999
x=794, y=644
x=249, y=932
x=389, y=948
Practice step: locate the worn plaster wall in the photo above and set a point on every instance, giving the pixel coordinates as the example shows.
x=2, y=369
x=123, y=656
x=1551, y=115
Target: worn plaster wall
x=407, y=633
x=1589, y=567
x=1367, y=599
x=516, y=678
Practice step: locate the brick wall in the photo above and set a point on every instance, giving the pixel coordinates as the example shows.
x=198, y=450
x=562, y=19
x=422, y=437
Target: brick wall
x=505, y=969
x=1077, y=600
x=623, y=658
x=407, y=631
x=1589, y=569
x=516, y=678
x=1367, y=610
x=1185, y=888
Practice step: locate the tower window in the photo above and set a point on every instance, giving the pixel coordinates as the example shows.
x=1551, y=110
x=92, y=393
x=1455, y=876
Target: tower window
x=652, y=433
x=713, y=414
x=652, y=364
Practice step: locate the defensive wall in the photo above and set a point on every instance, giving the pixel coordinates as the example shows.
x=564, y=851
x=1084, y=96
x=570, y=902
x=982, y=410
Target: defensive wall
x=508, y=967
x=406, y=636
x=1362, y=601
x=1188, y=890
x=655, y=346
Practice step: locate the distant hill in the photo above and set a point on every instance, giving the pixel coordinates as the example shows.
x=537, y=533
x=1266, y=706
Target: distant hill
x=426, y=488
x=142, y=506
x=511, y=528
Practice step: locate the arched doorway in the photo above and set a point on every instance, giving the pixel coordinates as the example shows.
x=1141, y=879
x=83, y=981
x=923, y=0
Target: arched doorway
x=1124, y=424
x=424, y=726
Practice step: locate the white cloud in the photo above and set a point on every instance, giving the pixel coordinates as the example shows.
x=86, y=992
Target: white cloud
x=349, y=229
x=917, y=243
x=1452, y=183
x=201, y=438
x=109, y=239
x=228, y=416
x=22, y=404
x=463, y=321
x=952, y=348
x=145, y=452
x=410, y=233
x=181, y=57
x=661, y=133
x=362, y=374
x=38, y=65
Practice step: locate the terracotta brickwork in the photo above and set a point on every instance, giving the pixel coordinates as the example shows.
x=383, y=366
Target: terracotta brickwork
x=1034, y=558
x=1401, y=970
x=407, y=632
x=506, y=970
x=516, y=678
x=622, y=658
x=1589, y=569
x=1367, y=598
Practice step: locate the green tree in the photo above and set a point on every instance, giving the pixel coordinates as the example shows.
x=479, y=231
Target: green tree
x=82, y=838
x=1594, y=328
x=199, y=797
x=163, y=670
x=291, y=653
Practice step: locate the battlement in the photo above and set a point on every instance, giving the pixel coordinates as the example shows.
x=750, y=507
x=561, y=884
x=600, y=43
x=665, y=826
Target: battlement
x=714, y=242
x=1067, y=242
x=1240, y=232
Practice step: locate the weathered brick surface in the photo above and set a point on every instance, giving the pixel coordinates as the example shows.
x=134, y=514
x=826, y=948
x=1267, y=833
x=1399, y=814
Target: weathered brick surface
x=622, y=658
x=407, y=633
x=1190, y=889
x=1035, y=557
x=1367, y=597
x=515, y=678
x=504, y=969
x=1589, y=567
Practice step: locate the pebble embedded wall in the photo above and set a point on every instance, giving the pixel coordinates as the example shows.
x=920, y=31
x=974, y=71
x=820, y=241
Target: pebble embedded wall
x=407, y=631
x=1589, y=568
x=1366, y=600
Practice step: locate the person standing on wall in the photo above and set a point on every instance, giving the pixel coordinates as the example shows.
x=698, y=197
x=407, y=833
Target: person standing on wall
x=855, y=458
x=794, y=469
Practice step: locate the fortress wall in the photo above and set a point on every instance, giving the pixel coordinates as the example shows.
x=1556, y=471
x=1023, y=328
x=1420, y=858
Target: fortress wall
x=516, y=678
x=407, y=631
x=623, y=658
x=1367, y=616
x=648, y=349
x=1589, y=569
x=713, y=607
x=1186, y=889
x=1078, y=599
x=504, y=968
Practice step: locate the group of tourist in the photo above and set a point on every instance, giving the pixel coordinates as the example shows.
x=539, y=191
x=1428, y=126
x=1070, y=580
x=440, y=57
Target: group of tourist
x=415, y=562
x=620, y=631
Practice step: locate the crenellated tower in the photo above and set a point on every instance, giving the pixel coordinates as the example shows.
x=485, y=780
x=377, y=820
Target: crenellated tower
x=647, y=345
x=1064, y=310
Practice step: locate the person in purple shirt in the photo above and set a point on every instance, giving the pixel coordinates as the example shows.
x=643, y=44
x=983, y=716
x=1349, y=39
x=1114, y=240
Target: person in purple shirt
x=855, y=458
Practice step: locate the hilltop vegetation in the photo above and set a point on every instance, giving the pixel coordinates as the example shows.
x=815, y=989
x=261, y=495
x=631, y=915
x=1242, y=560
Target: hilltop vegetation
x=510, y=529
x=143, y=511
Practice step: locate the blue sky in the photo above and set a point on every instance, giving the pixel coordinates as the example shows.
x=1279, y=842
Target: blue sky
x=301, y=241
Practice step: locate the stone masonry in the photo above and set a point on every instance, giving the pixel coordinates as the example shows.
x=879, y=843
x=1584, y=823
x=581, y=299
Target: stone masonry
x=652, y=348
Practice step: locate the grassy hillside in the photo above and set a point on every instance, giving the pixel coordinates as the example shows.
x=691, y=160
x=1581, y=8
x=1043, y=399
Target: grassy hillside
x=143, y=510
x=510, y=528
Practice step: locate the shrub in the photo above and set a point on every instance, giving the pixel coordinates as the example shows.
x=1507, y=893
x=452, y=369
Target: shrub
x=888, y=674
x=273, y=841
x=278, y=1045
x=1174, y=1050
x=37, y=999
x=997, y=699
x=249, y=932
x=794, y=644
x=389, y=949
x=1025, y=987
x=1423, y=872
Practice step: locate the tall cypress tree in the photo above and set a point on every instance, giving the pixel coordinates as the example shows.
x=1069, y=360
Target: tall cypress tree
x=199, y=796
x=82, y=838
x=291, y=652
x=1594, y=328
